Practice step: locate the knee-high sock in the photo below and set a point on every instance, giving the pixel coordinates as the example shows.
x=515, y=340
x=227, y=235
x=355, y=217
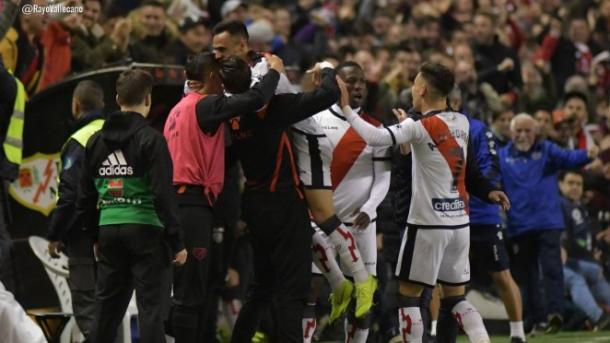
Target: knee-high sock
x=231, y=309
x=324, y=258
x=468, y=318
x=447, y=327
x=356, y=330
x=424, y=309
x=341, y=237
x=410, y=320
x=309, y=322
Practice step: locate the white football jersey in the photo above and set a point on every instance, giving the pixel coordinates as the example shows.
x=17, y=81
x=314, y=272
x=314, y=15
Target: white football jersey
x=355, y=166
x=439, y=144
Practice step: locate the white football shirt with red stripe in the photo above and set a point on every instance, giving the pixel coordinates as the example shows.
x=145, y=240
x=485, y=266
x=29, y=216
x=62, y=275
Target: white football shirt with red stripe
x=360, y=173
x=439, y=144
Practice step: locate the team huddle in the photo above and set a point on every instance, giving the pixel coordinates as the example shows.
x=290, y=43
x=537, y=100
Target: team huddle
x=316, y=168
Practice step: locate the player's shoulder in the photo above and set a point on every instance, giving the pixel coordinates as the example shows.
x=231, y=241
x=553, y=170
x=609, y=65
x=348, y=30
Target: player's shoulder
x=371, y=120
x=332, y=113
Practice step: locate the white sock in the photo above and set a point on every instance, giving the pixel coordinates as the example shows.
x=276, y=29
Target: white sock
x=433, y=328
x=411, y=325
x=516, y=330
x=354, y=334
x=324, y=258
x=231, y=309
x=309, y=328
x=349, y=254
x=470, y=320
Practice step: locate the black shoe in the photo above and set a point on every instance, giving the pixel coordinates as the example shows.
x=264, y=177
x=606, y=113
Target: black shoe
x=603, y=323
x=538, y=329
x=517, y=340
x=555, y=322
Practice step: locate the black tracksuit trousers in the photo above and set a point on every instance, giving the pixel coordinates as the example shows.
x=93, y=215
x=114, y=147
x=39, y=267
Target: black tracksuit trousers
x=81, y=262
x=191, y=281
x=132, y=256
x=281, y=240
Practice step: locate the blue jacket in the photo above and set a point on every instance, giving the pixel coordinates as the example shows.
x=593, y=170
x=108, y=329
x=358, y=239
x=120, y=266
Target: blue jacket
x=530, y=181
x=483, y=145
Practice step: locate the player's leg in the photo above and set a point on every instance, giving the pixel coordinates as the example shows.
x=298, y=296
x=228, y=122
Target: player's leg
x=114, y=285
x=357, y=329
x=324, y=259
x=453, y=275
x=424, y=308
x=81, y=263
x=191, y=280
x=309, y=314
x=435, y=305
x=257, y=213
x=151, y=269
x=326, y=264
x=488, y=242
x=321, y=206
x=511, y=297
x=340, y=237
x=549, y=257
x=447, y=328
x=359, y=322
x=291, y=260
x=421, y=253
x=409, y=313
x=522, y=251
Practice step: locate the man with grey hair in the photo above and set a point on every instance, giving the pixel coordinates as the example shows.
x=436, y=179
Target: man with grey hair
x=529, y=174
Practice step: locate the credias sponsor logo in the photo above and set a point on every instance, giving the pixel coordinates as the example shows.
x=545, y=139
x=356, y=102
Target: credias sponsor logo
x=448, y=205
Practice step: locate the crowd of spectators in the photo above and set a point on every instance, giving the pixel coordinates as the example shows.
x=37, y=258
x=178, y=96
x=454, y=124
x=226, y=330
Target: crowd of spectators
x=549, y=59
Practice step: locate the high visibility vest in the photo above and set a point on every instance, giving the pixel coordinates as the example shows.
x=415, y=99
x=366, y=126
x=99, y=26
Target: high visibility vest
x=82, y=136
x=13, y=142
x=84, y=133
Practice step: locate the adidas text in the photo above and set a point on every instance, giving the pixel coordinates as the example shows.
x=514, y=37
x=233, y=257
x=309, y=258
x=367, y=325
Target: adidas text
x=115, y=171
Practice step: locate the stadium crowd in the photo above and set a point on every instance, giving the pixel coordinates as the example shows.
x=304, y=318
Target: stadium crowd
x=536, y=74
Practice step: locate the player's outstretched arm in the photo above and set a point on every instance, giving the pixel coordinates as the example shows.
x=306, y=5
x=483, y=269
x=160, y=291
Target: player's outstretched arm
x=404, y=132
x=287, y=109
x=214, y=109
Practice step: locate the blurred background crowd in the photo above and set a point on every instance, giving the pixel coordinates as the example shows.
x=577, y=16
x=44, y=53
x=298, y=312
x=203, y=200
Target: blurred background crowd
x=547, y=58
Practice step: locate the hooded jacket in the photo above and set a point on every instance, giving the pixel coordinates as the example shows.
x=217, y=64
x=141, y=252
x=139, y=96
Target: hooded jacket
x=127, y=173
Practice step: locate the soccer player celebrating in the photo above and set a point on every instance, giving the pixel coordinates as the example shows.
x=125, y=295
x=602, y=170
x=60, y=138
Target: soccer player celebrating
x=436, y=245
x=360, y=177
x=231, y=39
x=274, y=206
